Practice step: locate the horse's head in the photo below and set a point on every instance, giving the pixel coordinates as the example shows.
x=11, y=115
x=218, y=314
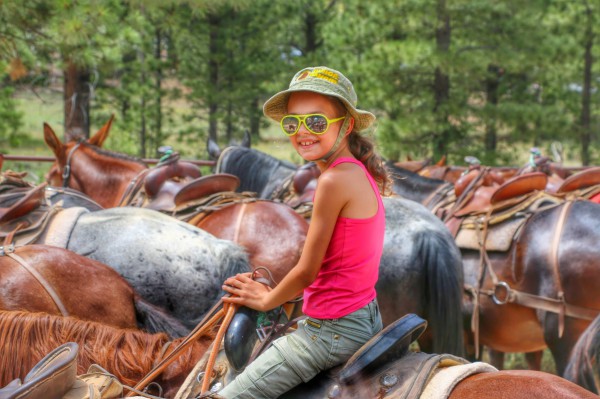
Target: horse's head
x=214, y=151
x=62, y=151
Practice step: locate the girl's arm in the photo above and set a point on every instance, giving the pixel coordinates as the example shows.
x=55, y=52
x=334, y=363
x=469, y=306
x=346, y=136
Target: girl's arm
x=330, y=199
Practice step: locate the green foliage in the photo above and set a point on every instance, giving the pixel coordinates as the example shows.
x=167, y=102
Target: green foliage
x=174, y=72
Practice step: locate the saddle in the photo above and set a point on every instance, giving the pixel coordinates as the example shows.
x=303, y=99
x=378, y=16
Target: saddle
x=501, y=211
x=584, y=184
x=51, y=377
x=162, y=183
x=24, y=213
x=388, y=345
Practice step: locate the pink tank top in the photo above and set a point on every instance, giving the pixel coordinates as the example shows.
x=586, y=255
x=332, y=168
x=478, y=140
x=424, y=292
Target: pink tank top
x=346, y=281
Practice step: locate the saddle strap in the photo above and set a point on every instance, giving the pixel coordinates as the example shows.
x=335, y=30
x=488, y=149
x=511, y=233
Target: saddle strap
x=560, y=224
x=41, y=280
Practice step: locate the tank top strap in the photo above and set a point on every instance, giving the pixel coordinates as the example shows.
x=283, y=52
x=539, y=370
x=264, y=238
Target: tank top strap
x=346, y=159
x=357, y=162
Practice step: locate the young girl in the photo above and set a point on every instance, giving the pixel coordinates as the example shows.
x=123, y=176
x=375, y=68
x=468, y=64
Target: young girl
x=339, y=265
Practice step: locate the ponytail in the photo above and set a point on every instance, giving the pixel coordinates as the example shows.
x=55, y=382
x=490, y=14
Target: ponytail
x=363, y=149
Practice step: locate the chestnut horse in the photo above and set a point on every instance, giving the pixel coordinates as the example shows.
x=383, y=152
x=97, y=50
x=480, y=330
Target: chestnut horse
x=584, y=363
x=556, y=252
x=80, y=165
x=43, y=278
x=25, y=338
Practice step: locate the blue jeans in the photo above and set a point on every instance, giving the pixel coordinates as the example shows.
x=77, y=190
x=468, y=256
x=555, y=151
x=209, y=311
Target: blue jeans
x=297, y=357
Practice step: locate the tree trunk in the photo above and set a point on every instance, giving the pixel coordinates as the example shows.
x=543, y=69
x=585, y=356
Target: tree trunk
x=585, y=134
x=143, y=134
x=158, y=113
x=491, y=88
x=441, y=82
x=255, y=119
x=213, y=71
x=76, y=96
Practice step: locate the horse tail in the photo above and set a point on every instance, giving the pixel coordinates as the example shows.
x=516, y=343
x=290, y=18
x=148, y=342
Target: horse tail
x=444, y=290
x=584, y=361
x=154, y=319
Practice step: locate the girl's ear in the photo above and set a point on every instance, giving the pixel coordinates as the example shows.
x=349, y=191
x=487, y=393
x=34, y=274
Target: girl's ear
x=350, y=126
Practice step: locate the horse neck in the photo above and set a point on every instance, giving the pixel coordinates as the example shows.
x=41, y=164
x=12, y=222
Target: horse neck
x=413, y=186
x=102, y=177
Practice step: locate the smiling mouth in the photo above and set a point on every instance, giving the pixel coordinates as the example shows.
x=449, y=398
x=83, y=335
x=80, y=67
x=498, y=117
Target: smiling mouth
x=307, y=143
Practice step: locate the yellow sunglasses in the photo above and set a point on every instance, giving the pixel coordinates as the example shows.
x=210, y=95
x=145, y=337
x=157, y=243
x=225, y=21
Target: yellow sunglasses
x=315, y=123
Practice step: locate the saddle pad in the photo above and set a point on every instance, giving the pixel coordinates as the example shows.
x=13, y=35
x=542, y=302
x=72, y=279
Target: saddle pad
x=499, y=236
x=60, y=227
x=445, y=378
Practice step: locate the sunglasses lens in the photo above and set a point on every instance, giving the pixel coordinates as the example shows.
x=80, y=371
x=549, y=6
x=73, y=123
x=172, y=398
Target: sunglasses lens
x=316, y=123
x=290, y=124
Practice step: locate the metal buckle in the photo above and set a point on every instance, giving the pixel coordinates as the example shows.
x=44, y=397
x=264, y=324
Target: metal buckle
x=507, y=291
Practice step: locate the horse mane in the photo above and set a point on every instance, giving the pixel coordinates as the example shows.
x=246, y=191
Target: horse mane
x=25, y=338
x=254, y=168
x=584, y=362
x=400, y=173
x=112, y=154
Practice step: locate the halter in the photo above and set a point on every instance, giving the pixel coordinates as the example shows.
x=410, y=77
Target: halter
x=66, y=175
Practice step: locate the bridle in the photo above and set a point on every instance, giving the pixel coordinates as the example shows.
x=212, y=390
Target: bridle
x=66, y=174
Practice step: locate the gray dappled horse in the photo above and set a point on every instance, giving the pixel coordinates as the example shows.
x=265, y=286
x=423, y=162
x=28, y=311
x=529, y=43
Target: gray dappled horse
x=170, y=263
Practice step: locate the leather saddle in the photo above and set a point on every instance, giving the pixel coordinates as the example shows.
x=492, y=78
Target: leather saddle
x=163, y=182
x=19, y=202
x=51, y=377
x=580, y=181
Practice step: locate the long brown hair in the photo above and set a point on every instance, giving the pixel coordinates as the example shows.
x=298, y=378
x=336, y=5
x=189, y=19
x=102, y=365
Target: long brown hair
x=363, y=149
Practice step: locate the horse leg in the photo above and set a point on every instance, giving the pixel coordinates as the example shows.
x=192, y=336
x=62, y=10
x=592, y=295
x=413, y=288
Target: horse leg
x=496, y=358
x=534, y=360
x=561, y=346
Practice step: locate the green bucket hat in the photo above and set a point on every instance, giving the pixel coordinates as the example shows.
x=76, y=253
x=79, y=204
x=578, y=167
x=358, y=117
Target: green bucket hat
x=325, y=81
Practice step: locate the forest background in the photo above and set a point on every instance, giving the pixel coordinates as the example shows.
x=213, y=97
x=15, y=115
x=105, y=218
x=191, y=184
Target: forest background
x=444, y=77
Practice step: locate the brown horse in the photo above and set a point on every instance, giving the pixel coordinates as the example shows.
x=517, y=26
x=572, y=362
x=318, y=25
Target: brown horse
x=584, y=363
x=25, y=338
x=272, y=233
x=43, y=278
x=81, y=165
x=554, y=260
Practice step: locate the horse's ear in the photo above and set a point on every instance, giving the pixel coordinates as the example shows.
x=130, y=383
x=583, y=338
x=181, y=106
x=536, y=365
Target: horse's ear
x=247, y=140
x=53, y=142
x=214, y=151
x=99, y=138
x=442, y=161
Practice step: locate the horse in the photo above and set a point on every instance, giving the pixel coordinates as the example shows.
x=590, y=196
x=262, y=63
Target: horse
x=256, y=225
x=584, y=363
x=43, y=278
x=79, y=165
x=554, y=260
x=420, y=270
x=25, y=338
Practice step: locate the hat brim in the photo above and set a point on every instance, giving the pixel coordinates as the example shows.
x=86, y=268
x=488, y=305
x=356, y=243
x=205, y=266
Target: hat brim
x=276, y=108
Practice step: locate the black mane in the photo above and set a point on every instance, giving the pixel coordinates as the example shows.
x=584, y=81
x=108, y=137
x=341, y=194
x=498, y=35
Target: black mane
x=258, y=172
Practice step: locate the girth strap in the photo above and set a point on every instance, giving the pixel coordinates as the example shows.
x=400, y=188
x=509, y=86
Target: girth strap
x=40, y=279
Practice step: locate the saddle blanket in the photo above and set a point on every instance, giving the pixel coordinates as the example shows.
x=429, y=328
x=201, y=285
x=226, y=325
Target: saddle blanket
x=445, y=378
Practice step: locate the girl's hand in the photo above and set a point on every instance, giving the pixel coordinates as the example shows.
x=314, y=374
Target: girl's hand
x=247, y=292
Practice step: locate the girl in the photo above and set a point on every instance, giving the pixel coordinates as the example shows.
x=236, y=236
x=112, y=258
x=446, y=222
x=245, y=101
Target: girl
x=339, y=265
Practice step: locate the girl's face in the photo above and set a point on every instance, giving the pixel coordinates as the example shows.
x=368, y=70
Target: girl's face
x=310, y=146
